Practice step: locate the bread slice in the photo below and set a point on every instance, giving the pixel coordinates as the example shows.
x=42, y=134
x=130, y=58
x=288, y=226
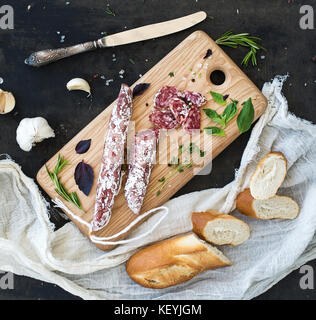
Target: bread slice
x=269, y=175
x=219, y=228
x=277, y=207
x=173, y=261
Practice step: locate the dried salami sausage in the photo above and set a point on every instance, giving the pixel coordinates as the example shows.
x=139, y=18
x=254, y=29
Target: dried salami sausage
x=193, y=98
x=193, y=120
x=109, y=180
x=163, y=119
x=179, y=109
x=142, y=159
x=164, y=95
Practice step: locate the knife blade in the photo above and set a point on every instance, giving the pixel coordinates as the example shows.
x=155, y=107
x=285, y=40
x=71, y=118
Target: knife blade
x=44, y=57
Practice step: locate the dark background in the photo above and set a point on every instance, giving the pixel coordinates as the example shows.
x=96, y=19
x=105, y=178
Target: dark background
x=42, y=92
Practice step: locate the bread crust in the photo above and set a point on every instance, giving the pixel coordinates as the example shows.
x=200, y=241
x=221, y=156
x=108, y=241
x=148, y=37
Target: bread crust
x=261, y=162
x=201, y=219
x=171, y=262
x=244, y=203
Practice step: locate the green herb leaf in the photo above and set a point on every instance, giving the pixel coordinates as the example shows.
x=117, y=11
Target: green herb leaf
x=162, y=179
x=214, y=116
x=131, y=61
x=230, y=111
x=202, y=153
x=181, y=148
x=246, y=116
x=171, y=74
x=215, y=131
x=218, y=98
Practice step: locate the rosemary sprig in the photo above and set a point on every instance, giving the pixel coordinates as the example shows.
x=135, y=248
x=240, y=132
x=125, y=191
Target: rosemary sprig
x=109, y=11
x=59, y=187
x=245, y=40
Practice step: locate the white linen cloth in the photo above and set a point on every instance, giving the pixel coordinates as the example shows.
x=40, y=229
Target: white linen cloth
x=29, y=245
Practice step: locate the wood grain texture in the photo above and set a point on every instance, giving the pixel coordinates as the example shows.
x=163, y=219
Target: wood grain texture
x=187, y=63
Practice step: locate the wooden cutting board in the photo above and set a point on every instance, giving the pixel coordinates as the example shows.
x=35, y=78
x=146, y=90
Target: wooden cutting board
x=191, y=72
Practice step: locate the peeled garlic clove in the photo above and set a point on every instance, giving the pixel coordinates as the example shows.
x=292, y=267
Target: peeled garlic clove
x=79, y=84
x=7, y=102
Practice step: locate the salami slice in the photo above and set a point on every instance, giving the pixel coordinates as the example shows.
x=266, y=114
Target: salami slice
x=179, y=109
x=109, y=180
x=164, y=119
x=164, y=95
x=143, y=156
x=193, y=98
x=193, y=120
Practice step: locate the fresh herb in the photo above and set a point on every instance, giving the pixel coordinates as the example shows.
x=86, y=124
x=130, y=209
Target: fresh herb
x=245, y=40
x=192, y=147
x=215, y=131
x=140, y=89
x=218, y=98
x=84, y=177
x=227, y=115
x=131, y=61
x=59, y=187
x=109, y=11
x=230, y=111
x=225, y=97
x=246, y=116
x=83, y=146
x=171, y=74
x=208, y=53
x=214, y=116
x=178, y=167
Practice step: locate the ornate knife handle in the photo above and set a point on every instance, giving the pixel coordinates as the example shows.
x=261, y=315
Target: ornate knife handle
x=41, y=58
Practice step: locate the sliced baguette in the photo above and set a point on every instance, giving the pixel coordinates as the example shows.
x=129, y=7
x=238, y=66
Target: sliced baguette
x=171, y=262
x=219, y=229
x=277, y=207
x=268, y=176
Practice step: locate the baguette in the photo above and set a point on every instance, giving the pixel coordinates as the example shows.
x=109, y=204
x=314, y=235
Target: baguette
x=173, y=261
x=219, y=229
x=268, y=176
x=277, y=207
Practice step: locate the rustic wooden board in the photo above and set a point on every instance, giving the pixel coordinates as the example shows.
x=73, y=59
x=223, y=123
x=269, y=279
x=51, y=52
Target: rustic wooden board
x=187, y=63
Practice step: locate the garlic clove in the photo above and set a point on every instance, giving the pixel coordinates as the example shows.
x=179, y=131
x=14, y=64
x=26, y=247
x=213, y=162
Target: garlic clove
x=7, y=102
x=79, y=84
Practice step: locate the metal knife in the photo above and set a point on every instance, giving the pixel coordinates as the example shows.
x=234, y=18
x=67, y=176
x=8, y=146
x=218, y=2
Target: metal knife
x=41, y=58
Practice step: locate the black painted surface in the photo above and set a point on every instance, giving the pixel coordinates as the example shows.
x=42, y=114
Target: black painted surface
x=42, y=92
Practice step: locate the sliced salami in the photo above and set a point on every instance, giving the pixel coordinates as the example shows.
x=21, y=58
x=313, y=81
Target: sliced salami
x=193, y=120
x=179, y=109
x=142, y=159
x=164, y=119
x=193, y=98
x=109, y=180
x=164, y=95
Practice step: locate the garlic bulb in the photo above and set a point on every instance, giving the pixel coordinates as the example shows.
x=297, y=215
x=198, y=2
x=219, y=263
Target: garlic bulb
x=31, y=131
x=79, y=84
x=7, y=102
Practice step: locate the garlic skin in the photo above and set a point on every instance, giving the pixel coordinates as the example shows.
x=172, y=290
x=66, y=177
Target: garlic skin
x=31, y=131
x=79, y=84
x=7, y=102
